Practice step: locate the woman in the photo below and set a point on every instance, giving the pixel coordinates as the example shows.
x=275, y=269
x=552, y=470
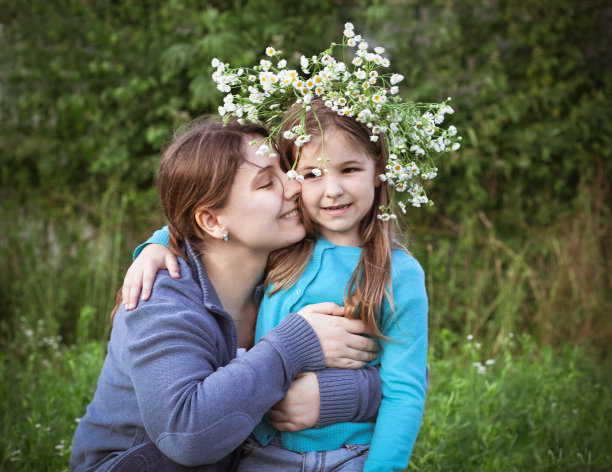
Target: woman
x=172, y=392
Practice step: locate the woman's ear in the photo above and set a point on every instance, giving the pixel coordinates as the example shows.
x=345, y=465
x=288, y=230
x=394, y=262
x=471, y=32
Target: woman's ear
x=210, y=223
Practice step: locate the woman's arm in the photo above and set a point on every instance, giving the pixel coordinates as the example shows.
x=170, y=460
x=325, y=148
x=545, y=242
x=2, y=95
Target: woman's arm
x=328, y=396
x=195, y=407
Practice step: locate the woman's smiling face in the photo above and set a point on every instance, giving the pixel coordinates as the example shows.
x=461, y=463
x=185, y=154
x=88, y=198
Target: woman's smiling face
x=262, y=211
x=342, y=196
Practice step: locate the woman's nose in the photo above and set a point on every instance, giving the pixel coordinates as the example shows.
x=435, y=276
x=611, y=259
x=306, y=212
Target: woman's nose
x=291, y=188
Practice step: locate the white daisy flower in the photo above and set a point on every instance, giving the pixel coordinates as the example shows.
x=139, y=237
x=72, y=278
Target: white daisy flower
x=396, y=79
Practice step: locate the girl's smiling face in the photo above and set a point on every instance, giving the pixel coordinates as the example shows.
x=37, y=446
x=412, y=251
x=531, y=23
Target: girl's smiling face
x=342, y=196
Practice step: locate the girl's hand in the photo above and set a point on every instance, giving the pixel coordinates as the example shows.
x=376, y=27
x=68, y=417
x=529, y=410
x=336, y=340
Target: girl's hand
x=299, y=408
x=340, y=338
x=143, y=270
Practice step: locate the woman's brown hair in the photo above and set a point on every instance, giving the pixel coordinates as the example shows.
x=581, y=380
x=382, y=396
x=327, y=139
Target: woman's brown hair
x=197, y=170
x=367, y=288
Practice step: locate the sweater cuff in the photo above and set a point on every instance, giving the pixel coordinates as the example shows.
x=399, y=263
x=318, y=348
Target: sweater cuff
x=300, y=346
x=338, y=394
x=161, y=236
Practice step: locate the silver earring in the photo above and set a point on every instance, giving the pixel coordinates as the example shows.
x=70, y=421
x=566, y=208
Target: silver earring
x=225, y=237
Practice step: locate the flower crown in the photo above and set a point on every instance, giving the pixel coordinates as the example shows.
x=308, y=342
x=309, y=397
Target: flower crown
x=362, y=90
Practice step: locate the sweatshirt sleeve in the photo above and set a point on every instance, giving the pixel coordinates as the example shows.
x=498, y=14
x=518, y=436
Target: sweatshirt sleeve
x=195, y=410
x=403, y=360
x=348, y=395
x=161, y=236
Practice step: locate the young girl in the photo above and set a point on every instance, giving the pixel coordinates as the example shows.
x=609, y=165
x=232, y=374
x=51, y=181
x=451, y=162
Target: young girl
x=349, y=257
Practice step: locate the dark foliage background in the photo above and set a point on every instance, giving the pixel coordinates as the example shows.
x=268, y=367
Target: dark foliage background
x=519, y=238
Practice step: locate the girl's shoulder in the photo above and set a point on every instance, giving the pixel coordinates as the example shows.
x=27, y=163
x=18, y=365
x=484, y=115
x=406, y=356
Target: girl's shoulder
x=403, y=264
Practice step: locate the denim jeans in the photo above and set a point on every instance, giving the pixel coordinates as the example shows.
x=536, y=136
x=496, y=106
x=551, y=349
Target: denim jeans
x=147, y=458
x=273, y=458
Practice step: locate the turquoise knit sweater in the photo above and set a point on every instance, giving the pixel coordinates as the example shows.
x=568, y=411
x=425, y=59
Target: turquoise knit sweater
x=403, y=356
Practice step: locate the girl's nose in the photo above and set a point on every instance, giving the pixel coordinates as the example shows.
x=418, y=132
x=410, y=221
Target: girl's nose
x=333, y=188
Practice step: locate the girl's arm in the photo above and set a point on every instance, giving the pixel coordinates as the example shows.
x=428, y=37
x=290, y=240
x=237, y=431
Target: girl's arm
x=140, y=276
x=403, y=360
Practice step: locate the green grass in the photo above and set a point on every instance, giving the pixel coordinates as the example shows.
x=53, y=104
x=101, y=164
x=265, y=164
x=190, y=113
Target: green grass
x=533, y=409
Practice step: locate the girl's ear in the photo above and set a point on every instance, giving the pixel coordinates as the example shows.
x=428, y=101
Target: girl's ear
x=380, y=169
x=210, y=223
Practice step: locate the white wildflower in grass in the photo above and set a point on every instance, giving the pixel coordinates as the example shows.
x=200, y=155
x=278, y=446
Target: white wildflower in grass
x=470, y=337
x=363, y=89
x=402, y=206
x=490, y=361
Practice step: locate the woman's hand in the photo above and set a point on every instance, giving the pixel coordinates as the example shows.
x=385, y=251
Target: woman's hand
x=340, y=338
x=299, y=408
x=143, y=270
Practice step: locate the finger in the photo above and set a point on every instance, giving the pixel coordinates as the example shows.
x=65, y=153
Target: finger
x=358, y=355
x=172, y=265
x=357, y=327
x=284, y=426
x=344, y=363
x=277, y=415
x=125, y=290
x=130, y=300
x=362, y=343
x=147, y=284
x=327, y=308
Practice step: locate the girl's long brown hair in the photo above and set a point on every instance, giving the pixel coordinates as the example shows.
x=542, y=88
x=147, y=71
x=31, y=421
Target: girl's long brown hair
x=197, y=171
x=367, y=288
